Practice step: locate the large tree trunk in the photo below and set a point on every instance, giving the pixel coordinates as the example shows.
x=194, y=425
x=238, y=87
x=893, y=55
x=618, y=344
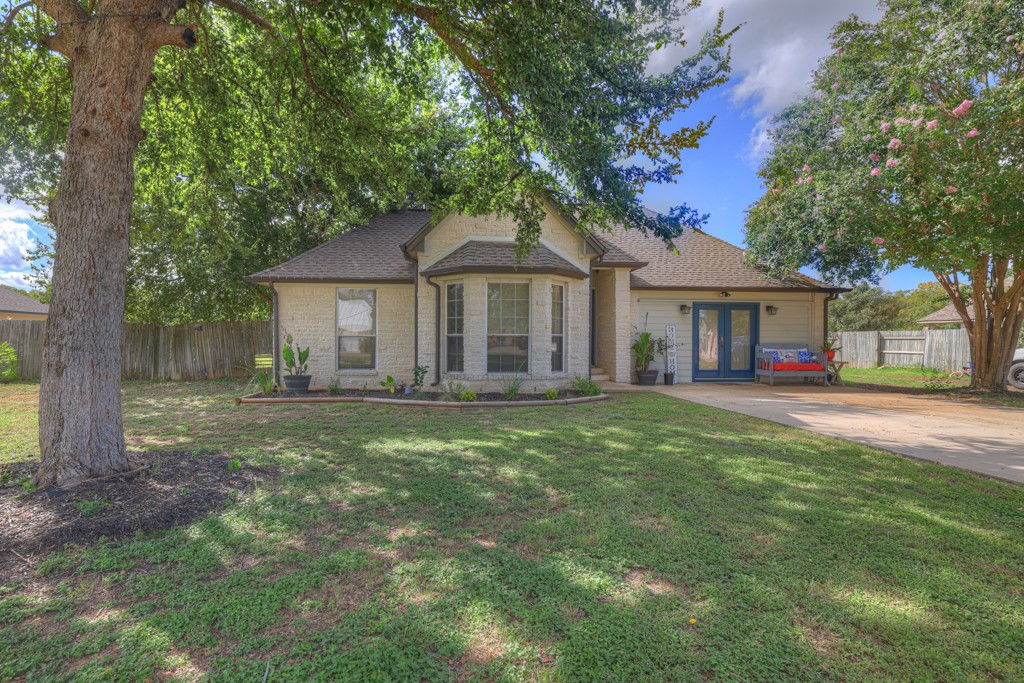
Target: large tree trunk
x=992, y=318
x=80, y=431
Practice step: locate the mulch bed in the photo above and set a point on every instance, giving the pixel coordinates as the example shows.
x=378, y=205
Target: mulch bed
x=421, y=396
x=165, y=489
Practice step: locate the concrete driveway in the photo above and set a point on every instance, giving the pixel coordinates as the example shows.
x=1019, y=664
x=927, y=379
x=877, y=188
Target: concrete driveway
x=984, y=438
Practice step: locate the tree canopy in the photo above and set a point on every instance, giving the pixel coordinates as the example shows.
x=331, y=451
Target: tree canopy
x=272, y=136
x=910, y=152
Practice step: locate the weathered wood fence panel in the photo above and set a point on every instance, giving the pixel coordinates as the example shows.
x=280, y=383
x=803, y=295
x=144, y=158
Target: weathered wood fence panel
x=154, y=352
x=944, y=350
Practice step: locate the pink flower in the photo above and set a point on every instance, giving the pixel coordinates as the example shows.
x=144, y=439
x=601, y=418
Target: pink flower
x=819, y=196
x=874, y=157
x=840, y=50
x=892, y=163
x=918, y=121
x=775, y=190
x=799, y=181
x=974, y=133
x=934, y=123
x=913, y=107
x=821, y=247
x=886, y=126
x=951, y=189
x=866, y=138
x=1010, y=38
x=878, y=240
x=809, y=179
x=901, y=121
x=806, y=168
x=876, y=171
x=894, y=144
x=963, y=108
x=835, y=86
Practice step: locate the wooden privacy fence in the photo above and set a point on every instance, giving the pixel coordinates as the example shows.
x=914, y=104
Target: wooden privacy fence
x=944, y=350
x=155, y=352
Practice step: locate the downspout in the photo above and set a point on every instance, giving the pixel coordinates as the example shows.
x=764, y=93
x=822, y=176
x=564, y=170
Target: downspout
x=415, y=309
x=437, y=331
x=277, y=334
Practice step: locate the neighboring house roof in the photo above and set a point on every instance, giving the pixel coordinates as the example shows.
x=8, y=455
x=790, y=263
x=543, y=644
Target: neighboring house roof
x=946, y=315
x=479, y=256
x=370, y=252
x=703, y=262
x=13, y=301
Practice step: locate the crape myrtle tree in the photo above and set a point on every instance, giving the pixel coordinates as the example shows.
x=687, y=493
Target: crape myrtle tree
x=201, y=101
x=911, y=151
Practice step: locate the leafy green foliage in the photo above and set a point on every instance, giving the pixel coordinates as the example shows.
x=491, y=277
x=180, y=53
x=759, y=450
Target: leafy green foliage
x=584, y=386
x=551, y=394
x=419, y=374
x=467, y=396
x=258, y=149
x=92, y=506
x=295, y=358
x=534, y=544
x=8, y=363
x=264, y=381
x=388, y=383
x=451, y=390
x=511, y=387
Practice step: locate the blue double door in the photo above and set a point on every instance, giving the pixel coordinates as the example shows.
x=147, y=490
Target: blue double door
x=724, y=338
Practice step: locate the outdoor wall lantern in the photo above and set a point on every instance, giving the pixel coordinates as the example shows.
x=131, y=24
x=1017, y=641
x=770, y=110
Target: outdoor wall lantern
x=685, y=309
x=724, y=295
x=771, y=310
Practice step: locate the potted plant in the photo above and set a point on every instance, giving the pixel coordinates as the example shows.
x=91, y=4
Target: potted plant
x=295, y=361
x=645, y=348
x=829, y=348
x=419, y=375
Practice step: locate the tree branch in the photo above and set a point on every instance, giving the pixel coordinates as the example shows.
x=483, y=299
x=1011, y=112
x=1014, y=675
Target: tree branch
x=243, y=11
x=63, y=11
x=174, y=35
x=14, y=12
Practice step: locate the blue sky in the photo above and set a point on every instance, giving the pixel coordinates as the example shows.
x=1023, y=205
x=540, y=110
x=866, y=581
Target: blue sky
x=774, y=53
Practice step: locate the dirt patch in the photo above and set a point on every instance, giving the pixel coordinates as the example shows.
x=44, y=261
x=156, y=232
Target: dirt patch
x=164, y=489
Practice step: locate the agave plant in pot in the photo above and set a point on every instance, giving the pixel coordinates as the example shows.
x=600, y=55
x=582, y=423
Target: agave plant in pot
x=645, y=348
x=295, y=357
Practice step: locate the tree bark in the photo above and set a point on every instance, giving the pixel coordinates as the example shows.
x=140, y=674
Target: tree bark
x=80, y=428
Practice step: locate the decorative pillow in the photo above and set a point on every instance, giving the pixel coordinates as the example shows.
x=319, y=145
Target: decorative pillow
x=774, y=355
x=805, y=356
x=788, y=356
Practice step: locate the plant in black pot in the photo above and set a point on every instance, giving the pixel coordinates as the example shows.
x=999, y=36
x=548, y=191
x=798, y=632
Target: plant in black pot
x=645, y=348
x=295, y=357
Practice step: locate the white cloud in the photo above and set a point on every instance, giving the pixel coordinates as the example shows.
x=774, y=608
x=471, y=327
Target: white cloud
x=775, y=51
x=16, y=240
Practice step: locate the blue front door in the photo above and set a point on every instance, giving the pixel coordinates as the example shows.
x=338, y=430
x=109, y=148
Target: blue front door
x=724, y=337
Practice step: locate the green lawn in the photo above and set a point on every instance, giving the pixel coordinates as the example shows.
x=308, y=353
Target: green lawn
x=641, y=538
x=929, y=380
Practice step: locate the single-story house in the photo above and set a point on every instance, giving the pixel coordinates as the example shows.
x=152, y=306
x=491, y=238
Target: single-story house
x=17, y=306
x=406, y=290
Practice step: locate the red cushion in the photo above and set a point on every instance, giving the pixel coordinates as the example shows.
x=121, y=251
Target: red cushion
x=799, y=366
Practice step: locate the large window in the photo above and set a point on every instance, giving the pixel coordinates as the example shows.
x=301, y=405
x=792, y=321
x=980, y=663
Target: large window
x=508, y=327
x=558, y=328
x=357, y=329
x=455, y=328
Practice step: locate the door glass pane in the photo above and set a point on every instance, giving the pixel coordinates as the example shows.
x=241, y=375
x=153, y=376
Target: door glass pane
x=707, y=330
x=739, y=358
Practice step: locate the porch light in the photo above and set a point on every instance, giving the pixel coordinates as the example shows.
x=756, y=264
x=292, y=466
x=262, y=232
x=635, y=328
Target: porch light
x=685, y=309
x=724, y=295
x=771, y=310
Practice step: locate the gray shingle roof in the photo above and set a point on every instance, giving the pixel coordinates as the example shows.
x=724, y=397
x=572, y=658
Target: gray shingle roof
x=945, y=316
x=500, y=257
x=703, y=262
x=12, y=301
x=371, y=252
